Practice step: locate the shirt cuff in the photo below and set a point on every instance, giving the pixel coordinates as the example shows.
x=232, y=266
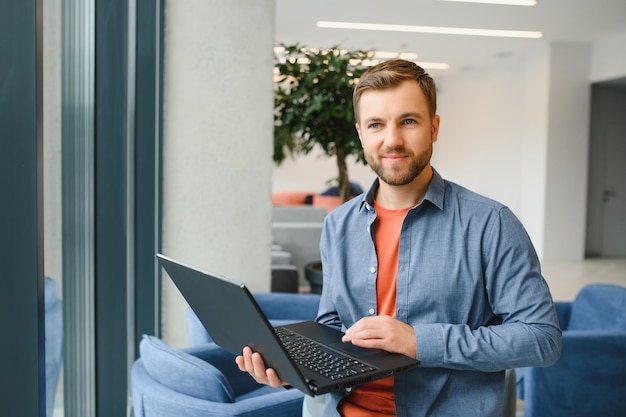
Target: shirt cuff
x=429, y=342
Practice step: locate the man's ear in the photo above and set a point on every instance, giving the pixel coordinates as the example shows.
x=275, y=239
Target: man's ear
x=358, y=130
x=434, y=129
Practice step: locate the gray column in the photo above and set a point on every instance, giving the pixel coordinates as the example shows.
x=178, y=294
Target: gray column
x=217, y=144
x=567, y=151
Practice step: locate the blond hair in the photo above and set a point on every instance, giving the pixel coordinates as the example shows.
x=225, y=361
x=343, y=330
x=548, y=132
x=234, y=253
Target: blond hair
x=390, y=74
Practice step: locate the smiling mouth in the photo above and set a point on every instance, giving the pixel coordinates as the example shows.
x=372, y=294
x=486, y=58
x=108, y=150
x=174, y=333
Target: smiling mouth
x=394, y=157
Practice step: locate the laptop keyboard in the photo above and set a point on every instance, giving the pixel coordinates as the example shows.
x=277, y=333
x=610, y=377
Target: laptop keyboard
x=319, y=359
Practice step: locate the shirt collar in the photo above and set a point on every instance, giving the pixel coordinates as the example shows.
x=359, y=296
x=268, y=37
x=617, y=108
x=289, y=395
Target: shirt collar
x=436, y=190
x=434, y=193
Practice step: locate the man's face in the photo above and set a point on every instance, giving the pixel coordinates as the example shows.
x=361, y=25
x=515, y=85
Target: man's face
x=396, y=132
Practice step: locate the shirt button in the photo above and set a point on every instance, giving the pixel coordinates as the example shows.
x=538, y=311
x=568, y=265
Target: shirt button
x=373, y=269
x=371, y=311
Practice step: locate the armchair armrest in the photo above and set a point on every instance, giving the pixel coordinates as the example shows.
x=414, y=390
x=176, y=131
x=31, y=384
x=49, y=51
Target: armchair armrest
x=153, y=399
x=588, y=379
x=223, y=360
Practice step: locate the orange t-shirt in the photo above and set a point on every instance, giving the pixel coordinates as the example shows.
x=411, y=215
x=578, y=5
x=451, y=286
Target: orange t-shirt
x=376, y=398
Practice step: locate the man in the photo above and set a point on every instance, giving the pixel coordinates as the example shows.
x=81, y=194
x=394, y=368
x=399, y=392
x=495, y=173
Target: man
x=423, y=267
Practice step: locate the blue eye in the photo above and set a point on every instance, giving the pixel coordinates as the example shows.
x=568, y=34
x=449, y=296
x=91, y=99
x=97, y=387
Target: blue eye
x=374, y=125
x=409, y=122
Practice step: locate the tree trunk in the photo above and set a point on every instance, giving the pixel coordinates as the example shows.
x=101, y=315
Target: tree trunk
x=343, y=182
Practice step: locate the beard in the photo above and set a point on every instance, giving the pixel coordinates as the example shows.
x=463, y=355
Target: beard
x=400, y=175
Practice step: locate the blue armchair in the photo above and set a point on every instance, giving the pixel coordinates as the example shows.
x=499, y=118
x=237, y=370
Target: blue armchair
x=200, y=382
x=279, y=308
x=590, y=376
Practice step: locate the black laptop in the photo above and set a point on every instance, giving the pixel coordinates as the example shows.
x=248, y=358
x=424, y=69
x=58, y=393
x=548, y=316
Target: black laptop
x=307, y=355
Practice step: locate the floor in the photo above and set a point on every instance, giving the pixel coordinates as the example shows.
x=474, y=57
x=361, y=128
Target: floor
x=565, y=279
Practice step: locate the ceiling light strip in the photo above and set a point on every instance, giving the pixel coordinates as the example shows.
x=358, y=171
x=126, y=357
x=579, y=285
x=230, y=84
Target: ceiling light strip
x=430, y=29
x=433, y=65
x=504, y=2
x=394, y=54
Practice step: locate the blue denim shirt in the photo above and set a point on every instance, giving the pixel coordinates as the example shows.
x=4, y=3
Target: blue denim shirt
x=469, y=282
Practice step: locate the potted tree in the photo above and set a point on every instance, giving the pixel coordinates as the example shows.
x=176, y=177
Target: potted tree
x=313, y=105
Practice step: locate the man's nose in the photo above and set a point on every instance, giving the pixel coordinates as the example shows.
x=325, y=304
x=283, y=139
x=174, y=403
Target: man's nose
x=393, y=137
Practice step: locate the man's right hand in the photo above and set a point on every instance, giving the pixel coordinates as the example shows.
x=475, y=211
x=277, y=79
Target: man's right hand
x=252, y=363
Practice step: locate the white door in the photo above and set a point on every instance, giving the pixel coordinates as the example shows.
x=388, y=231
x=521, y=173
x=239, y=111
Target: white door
x=614, y=222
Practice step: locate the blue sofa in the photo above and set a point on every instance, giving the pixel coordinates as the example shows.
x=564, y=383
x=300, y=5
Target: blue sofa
x=589, y=379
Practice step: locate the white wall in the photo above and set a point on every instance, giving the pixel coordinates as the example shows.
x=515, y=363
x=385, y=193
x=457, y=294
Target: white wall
x=476, y=141
x=217, y=143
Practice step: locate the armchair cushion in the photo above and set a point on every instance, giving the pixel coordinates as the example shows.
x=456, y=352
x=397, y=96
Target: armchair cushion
x=184, y=373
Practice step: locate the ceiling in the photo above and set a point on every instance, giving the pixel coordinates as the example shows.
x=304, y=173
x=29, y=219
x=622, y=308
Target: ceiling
x=577, y=21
